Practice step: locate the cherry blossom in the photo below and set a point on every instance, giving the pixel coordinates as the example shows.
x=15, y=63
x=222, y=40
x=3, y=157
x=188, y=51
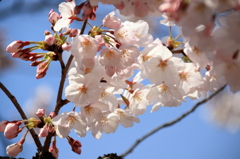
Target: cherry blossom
x=68, y=120
x=67, y=13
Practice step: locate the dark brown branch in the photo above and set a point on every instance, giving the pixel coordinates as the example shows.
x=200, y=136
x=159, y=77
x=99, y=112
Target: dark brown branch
x=24, y=117
x=170, y=123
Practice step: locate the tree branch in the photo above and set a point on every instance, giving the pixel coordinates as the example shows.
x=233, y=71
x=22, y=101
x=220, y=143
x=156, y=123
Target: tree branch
x=170, y=123
x=24, y=117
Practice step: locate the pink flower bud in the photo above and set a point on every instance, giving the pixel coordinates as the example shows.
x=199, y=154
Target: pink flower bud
x=49, y=39
x=14, y=149
x=66, y=47
x=53, y=17
x=43, y=132
x=3, y=125
x=111, y=21
x=11, y=130
x=54, y=149
x=74, y=32
x=16, y=46
x=42, y=69
x=52, y=115
x=75, y=144
x=40, y=112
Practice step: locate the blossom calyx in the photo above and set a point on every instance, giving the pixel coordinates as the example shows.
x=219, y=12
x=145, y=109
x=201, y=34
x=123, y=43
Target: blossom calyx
x=33, y=123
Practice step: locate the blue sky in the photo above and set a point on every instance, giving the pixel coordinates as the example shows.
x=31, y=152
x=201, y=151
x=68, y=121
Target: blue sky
x=192, y=138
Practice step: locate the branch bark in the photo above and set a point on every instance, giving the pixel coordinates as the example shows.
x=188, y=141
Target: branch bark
x=170, y=123
x=22, y=114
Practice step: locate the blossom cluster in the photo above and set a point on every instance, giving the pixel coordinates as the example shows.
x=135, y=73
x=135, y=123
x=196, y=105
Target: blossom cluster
x=112, y=61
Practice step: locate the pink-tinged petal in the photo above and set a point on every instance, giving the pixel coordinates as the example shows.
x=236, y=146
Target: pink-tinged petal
x=61, y=23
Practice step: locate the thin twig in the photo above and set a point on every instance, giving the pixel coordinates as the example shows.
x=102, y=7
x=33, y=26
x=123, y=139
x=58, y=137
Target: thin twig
x=170, y=123
x=24, y=117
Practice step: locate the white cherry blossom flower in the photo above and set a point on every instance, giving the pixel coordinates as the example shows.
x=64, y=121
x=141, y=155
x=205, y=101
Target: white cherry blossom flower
x=93, y=112
x=108, y=124
x=198, y=57
x=67, y=11
x=164, y=67
x=138, y=101
x=164, y=95
x=67, y=121
x=125, y=119
x=110, y=57
x=84, y=46
x=190, y=79
x=83, y=90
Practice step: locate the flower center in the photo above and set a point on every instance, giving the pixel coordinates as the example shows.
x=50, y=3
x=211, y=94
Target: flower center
x=162, y=65
x=82, y=89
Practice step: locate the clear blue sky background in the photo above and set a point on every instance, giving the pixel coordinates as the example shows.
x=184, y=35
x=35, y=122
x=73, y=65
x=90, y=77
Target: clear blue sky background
x=192, y=138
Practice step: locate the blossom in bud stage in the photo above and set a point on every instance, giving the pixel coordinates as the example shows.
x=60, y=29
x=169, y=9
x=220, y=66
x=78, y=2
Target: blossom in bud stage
x=42, y=69
x=53, y=16
x=68, y=120
x=75, y=144
x=111, y=21
x=89, y=11
x=53, y=149
x=43, y=131
x=52, y=115
x=3, y=125
x=16, y=46
x=12, y=129
x=14, y=149
x=40, y=113
x=49, y=39
x=74, y=32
